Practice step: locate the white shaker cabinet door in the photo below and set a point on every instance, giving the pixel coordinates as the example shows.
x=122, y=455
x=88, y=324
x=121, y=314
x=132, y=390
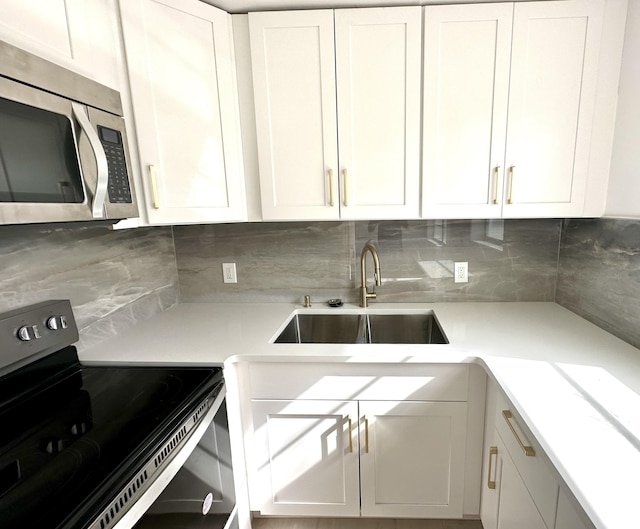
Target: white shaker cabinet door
x=182, y=74
x=516, y=509
x=292, y=55
x=554, y=63
x=412, y=458
x=306, y=457
x=467, y=49
x=378, y=85
x=81, y=35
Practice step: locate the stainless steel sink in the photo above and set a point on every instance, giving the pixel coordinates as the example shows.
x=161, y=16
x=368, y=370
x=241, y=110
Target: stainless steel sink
x=363, y=328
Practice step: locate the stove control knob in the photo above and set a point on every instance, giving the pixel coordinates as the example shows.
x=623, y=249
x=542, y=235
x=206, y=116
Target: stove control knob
x=26, y=333
x=54, y=446
x=55, y=323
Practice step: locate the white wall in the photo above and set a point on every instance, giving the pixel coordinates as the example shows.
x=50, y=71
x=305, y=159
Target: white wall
x=624, y=187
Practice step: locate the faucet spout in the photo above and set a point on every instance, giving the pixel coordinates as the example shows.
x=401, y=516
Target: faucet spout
x=365, y=295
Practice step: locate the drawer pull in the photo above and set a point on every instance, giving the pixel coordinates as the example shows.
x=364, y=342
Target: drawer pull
x=350, y=436
x=527, y=449
x=493, y=451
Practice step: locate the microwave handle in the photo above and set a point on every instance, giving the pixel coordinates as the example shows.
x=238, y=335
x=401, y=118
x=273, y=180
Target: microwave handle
x=100, y=195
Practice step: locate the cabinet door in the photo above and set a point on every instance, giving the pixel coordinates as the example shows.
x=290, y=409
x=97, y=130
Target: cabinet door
x=292, y=55
x=516, y=509
x=412, y=458
x=181, y=67
x=81, y=35
x=306, y=457
x=378, y=57
x=467, y=50
x=551, y=103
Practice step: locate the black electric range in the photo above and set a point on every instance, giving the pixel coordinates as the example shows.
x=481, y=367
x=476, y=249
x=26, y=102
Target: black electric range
x=79, y=444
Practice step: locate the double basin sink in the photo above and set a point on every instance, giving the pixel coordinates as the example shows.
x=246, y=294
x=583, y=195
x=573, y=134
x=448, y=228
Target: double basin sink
x=364, y=328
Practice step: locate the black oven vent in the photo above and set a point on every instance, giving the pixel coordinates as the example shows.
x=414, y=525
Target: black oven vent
x=112, y=513
x=200, y=411
x=169, y=447
x=142, y=480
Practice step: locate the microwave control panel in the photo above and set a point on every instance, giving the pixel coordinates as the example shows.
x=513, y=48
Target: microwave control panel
x=118, y=188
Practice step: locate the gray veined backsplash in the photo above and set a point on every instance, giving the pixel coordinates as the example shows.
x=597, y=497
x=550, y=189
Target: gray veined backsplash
x=511, y=260
x=599, y=274
x=117, y=278
x=113, y=278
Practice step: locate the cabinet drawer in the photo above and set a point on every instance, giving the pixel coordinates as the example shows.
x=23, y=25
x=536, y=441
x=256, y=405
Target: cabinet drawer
x=533, y=466
x=440, y=382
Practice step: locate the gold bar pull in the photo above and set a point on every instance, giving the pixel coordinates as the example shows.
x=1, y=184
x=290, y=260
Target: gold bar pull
x=345, y=183
x=366, y=434
x=350, y=437
x=496, y=178
x=493, y=451
x=154, y=186
x=527, y=449
x=331, y=202
x=510, y=195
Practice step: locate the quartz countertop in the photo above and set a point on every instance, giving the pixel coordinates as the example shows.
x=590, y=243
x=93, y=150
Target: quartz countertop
x=576, y=386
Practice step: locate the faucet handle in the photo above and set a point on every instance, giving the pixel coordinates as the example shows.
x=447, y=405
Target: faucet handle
x=307, y=301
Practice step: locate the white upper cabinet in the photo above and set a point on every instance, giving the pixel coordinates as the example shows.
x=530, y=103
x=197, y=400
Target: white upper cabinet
x=81, y=35
x=378, y=86
x=292, y=56
x=509, y=141
x=338, y=125
x=182, y=75
x=466, y=91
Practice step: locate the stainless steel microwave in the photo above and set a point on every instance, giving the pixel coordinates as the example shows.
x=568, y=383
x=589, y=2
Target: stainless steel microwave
x=63, y=145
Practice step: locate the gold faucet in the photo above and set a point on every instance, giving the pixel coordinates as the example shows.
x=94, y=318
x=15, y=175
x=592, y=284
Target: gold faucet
x=364, y=293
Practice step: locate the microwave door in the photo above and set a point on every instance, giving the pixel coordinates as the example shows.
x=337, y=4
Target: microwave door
x=102, y=169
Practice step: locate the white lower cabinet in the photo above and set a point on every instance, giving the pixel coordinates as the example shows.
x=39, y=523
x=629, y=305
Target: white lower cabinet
x=520, y=489
x=412, y=458
x=401, y=445
x=307, y=457
x=515, y=509
x=409, y=455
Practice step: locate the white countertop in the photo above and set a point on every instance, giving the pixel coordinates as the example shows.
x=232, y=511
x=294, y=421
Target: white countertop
x=576, y=386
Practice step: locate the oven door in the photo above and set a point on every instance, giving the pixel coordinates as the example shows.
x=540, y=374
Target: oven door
x=56, y=157
x=197, y=483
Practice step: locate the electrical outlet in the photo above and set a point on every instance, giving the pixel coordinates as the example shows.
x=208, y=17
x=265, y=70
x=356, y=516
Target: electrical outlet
x=460, y=272
x=229, y=273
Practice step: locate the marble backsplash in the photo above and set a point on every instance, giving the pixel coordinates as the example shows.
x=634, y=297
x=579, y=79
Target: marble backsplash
x=113, y=278
x=599, y=274
x=510, y=260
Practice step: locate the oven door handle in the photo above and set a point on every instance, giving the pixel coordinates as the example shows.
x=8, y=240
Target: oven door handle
x=100, y=193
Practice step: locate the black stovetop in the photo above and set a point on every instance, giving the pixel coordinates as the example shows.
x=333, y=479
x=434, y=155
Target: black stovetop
x=71, y=436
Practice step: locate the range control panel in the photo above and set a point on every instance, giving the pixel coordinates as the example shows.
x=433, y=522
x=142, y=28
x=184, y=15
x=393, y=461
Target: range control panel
x=35, y=330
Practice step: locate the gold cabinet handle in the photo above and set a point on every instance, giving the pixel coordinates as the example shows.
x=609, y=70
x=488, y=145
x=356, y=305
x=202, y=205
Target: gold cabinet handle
x=154, y=186
x=366, y=434
x=496, y=178
x=527, y=449
x=350, y=437
x=345, y=183
x=510, y=195
x=493, y=451
x=331, y=202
